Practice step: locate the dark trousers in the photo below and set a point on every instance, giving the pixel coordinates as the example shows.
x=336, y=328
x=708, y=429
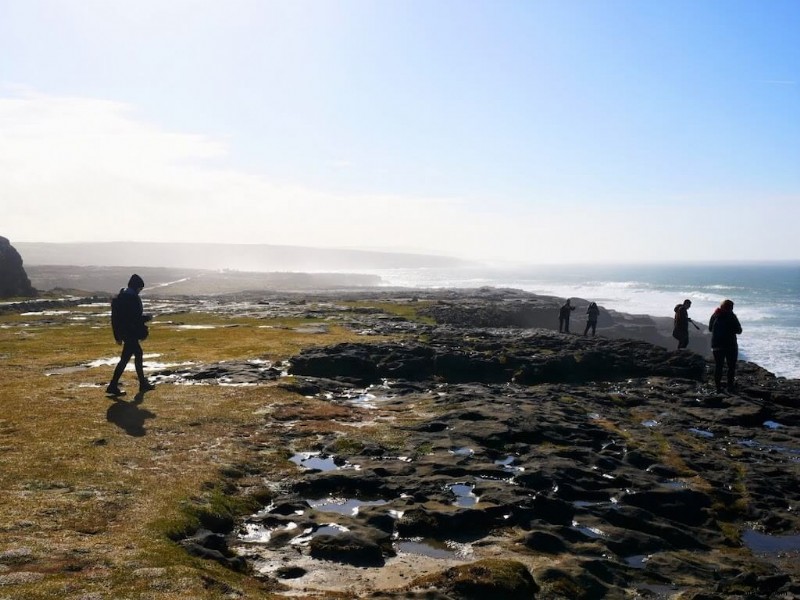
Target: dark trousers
x=725, y=355
x=683, y=340
x=593, y=325
x=563, y=324
x=130, y=348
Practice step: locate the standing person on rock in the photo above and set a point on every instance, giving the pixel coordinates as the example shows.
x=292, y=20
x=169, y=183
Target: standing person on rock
x=563, y=316
x=725, y=326
x=128, y=322
x=591, y=318
x=680, y=330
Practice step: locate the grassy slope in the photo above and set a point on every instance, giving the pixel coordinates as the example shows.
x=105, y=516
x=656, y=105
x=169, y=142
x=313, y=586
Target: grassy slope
x=86, y=507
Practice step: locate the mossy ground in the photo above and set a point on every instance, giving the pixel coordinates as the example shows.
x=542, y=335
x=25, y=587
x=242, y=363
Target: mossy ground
x=90, y=506
x=94, y=491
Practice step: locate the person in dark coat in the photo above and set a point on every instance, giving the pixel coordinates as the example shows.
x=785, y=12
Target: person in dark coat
x=680, y=330
x=725, y=326
x=591, y=318
x=130, y=330
x=563, y=316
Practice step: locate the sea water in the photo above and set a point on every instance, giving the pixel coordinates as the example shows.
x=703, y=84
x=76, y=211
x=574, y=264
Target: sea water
x=766, y=296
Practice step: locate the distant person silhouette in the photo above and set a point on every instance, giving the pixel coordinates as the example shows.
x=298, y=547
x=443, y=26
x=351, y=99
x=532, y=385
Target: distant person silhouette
x=563, y=316
x=128, y=321
x=680, y=329
x=725, y=326
x=591, y=318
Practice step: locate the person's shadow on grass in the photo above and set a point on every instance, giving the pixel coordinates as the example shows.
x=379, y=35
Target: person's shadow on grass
x=129, y=416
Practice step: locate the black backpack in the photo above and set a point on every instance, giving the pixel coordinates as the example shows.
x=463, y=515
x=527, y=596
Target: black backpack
x=119, y=316
x=125, y=319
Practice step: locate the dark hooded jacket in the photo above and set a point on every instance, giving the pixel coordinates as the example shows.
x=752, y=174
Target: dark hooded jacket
x=130, y=318
x=724, y=326
x=681, y=321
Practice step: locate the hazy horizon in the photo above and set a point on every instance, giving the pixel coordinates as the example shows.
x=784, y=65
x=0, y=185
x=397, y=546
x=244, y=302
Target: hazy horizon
x=526, y=132
x=242, y=256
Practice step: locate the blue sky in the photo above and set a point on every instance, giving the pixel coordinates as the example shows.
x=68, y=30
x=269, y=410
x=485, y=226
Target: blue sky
x=539, y=131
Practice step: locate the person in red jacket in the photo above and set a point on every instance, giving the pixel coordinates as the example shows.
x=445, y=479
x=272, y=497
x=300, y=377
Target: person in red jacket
x=725, y=326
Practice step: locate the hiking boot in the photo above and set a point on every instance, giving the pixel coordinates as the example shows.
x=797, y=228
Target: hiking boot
x=113, y=390
x=146, y=386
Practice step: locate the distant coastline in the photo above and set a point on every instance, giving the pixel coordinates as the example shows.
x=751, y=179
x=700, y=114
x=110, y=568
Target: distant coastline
x=162, y=281
x=240, y=257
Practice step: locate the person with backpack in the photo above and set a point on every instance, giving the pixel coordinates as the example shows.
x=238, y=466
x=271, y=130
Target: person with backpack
x=591, y=318
x=128, y=323
x=680, y=329
x=725, y=326
x=563, y=316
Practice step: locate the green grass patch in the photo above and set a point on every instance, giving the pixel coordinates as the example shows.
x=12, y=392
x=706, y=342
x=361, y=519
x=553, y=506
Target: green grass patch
x=97, y=507
x=407, y=310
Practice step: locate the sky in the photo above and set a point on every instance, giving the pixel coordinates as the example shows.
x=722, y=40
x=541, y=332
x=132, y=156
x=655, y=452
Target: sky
x=534, y=131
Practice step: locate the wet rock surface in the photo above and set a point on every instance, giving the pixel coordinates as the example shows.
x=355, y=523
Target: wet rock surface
x=583, y=467
x=603, y=467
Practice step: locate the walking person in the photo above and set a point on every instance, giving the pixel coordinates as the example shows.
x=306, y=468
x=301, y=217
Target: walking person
x=680, y=330
x=128, y=322
x=591, y=318
x=563, y=316
x=725, y=326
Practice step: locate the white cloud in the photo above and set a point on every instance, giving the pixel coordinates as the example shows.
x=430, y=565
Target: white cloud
x=82, y=169
x=78, y=169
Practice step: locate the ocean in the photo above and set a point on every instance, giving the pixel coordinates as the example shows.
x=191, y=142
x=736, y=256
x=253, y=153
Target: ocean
x=766, y=296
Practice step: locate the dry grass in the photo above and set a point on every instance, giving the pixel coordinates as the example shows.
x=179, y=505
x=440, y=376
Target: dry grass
x=92, y=488
x=408, y=310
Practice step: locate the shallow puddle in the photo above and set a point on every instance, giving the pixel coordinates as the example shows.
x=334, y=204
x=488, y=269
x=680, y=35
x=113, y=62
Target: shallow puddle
x=314, y=460
x=586, y=504
x=793, y=452
x=508, y=464
x=258, y=534
x=463, y=493
x=309, y=534
x=342, y=506
x=433, y=548
x=637, y=561
x=112, y=361
x=367, y=398
x=330, y=529
x=761, y=543
x=772, y=425
x=675, y=484
x=464, y=451
x=701, y=432
x=592, y=532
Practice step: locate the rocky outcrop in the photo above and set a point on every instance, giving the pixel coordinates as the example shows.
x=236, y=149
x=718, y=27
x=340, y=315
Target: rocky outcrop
x=472, y=454
x=497, y=356
x=593, y=467
x=502, y=308
x=13, y=279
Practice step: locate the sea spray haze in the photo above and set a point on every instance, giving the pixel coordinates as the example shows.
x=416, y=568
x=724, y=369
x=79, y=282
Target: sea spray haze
x=767, y=295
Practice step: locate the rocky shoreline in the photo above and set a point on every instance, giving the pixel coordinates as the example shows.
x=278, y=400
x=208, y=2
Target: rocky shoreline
x=524, y=463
